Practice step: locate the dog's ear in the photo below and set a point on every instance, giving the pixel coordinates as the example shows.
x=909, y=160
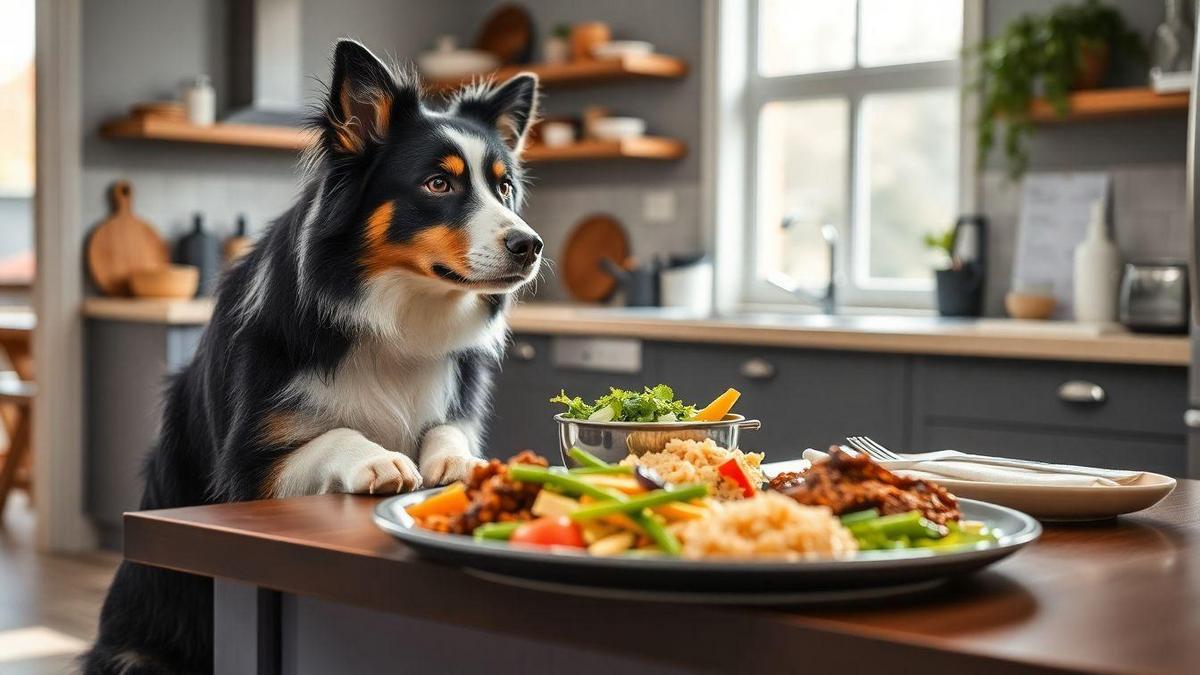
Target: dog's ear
x=510, y=107
x=364, y=98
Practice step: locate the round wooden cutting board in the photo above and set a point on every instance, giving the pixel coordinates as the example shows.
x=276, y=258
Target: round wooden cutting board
x=507, y=33
x=122, y=245
x=595, y=238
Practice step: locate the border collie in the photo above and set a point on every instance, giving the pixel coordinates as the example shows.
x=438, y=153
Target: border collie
x=353, y=349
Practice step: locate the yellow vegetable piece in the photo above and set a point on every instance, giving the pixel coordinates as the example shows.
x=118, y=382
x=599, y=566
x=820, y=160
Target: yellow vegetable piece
x=720, y=407
x=681, y=511
x=613, y=544
x=625, y=484
x=449, y=502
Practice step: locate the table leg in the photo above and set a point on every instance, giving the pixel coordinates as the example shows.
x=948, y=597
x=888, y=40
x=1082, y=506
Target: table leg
x=245, y=629
x=18, y=448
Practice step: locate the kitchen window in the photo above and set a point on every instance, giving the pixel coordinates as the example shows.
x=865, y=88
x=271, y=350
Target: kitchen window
x=854, y=118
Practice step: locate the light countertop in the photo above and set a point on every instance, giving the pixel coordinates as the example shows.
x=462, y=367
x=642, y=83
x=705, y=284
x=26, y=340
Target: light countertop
x=995, y=338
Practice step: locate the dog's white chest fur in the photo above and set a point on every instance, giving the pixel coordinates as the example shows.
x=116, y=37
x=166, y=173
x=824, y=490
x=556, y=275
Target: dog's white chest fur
x=403, y=379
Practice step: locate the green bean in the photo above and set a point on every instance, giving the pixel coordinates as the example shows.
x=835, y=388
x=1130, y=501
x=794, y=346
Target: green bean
x=911, y=524
x=657, y=532
x=585, y=458
x=636, y=504
x=593, y=470
x=497, y=531
x=859, y=516
x=531, y=473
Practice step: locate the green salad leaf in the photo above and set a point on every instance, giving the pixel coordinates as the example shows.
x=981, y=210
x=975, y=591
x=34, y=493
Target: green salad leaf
x=652, y=404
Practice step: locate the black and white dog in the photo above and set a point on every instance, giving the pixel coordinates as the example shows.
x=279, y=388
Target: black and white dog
x=353, y=349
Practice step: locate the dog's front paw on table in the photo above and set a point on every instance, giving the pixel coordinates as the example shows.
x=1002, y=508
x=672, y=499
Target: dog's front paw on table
x=383, y=474
x=448, y=468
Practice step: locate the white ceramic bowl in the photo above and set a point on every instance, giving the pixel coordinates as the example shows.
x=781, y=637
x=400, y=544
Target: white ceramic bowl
x=446, y=65
x=619, y=48
x=618, y=128
x=557, y=134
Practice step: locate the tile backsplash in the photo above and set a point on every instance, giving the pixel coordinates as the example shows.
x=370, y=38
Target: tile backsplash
x=1147, y=217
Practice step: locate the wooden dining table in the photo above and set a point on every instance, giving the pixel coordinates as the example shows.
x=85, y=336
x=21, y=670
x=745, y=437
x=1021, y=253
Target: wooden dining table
x=16, y=337
x=311, y=585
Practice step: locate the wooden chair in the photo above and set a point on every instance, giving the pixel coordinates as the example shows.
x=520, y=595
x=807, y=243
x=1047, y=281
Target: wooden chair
x=18, y=396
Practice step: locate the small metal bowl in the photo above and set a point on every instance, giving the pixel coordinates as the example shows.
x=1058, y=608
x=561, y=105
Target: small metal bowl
x=614, y=441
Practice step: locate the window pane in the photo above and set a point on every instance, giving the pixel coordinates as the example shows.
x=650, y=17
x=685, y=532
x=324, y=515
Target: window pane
x=801, y=178
x=804, y=37
x=909, y=31
x=907, y=184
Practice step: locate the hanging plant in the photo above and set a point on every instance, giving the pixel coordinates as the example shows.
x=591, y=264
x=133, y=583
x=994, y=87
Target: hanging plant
x=1069, y=48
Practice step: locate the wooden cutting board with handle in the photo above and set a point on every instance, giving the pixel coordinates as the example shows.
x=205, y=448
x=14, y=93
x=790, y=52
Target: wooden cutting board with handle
x=595, y=238
x=122, y=245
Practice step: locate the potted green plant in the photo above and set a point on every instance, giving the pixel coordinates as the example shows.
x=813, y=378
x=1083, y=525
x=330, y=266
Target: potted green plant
x=959, y=283
x=1069, y=48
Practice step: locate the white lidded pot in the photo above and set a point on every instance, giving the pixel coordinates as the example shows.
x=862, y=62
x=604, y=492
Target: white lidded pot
x=1097, y=271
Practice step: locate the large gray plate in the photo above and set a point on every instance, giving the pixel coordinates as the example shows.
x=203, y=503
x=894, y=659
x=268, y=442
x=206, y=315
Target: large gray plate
x=869, y=569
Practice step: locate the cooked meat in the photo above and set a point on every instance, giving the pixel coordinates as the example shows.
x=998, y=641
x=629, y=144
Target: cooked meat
x=848, y=483
x=494, y=497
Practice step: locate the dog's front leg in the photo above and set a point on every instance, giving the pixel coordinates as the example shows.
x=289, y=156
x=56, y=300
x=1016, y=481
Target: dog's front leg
x=447, y=453
x=343, y=460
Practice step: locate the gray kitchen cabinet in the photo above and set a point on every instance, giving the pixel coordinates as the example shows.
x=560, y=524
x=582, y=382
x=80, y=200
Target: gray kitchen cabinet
x=127, y=368
x=1079, y=413
x=804, y=398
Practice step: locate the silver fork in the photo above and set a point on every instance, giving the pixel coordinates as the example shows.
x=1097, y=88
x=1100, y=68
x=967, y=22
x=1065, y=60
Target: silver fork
x=874, y=450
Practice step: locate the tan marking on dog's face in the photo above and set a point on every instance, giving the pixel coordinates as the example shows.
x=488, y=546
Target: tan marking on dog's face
x=498, y=169
x=454, y=164
x=432, y=245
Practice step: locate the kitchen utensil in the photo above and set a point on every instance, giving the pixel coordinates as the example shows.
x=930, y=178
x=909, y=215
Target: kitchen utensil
x=719, y=580
x=687, y=283
x=595, y=238
x=620, y=48
x=201, y=249
x=1154, y=297
x=639, y=282
x=123, y=244
x=585, y=37
x=1029, y=305
x=617, y=128
x=240, y=243
x=894, y=461
x=508, y=34
x=174, y=282
x=447, y=62
x=163, y=110
x=614, y=441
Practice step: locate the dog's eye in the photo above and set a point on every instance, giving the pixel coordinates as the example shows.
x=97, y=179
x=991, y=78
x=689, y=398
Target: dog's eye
x=437, y=185
x=505, y=188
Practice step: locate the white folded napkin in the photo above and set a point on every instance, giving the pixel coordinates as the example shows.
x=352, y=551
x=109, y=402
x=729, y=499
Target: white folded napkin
x=1049, y=475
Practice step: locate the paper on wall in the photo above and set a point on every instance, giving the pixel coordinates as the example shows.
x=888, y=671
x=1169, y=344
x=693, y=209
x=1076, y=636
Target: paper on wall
x=1055, y=209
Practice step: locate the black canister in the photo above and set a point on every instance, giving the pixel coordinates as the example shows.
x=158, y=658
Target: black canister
x=201, y=249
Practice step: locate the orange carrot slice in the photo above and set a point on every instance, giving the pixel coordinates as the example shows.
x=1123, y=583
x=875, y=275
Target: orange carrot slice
x=720, y=407
x=449, y=502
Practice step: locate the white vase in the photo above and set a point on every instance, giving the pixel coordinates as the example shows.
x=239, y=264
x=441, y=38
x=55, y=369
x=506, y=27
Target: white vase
x=1097, y=272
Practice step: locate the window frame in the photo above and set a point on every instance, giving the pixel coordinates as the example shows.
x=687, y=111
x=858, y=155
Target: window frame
x=851, y=84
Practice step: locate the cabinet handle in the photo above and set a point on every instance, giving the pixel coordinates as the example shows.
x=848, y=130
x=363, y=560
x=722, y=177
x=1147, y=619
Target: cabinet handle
x=1081, y=391
x=757, y=369
x=524, y=351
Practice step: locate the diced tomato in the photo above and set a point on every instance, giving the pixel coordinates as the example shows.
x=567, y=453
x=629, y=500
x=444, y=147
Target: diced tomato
x=731, y=469
x=561, y=531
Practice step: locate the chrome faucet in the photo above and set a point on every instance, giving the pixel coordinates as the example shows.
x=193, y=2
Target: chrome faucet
x=827, y=300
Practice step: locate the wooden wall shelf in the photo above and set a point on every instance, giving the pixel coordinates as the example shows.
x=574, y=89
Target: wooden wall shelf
x=647, y=147
x=244, y=135
x=647, y=66
x=1108, y=103
x=287, y=138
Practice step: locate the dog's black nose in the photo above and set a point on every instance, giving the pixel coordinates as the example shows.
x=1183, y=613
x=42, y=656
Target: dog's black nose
x=523, y=246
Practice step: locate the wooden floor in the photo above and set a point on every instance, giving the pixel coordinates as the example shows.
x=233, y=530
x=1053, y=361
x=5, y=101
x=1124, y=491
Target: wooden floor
x=48, y=603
